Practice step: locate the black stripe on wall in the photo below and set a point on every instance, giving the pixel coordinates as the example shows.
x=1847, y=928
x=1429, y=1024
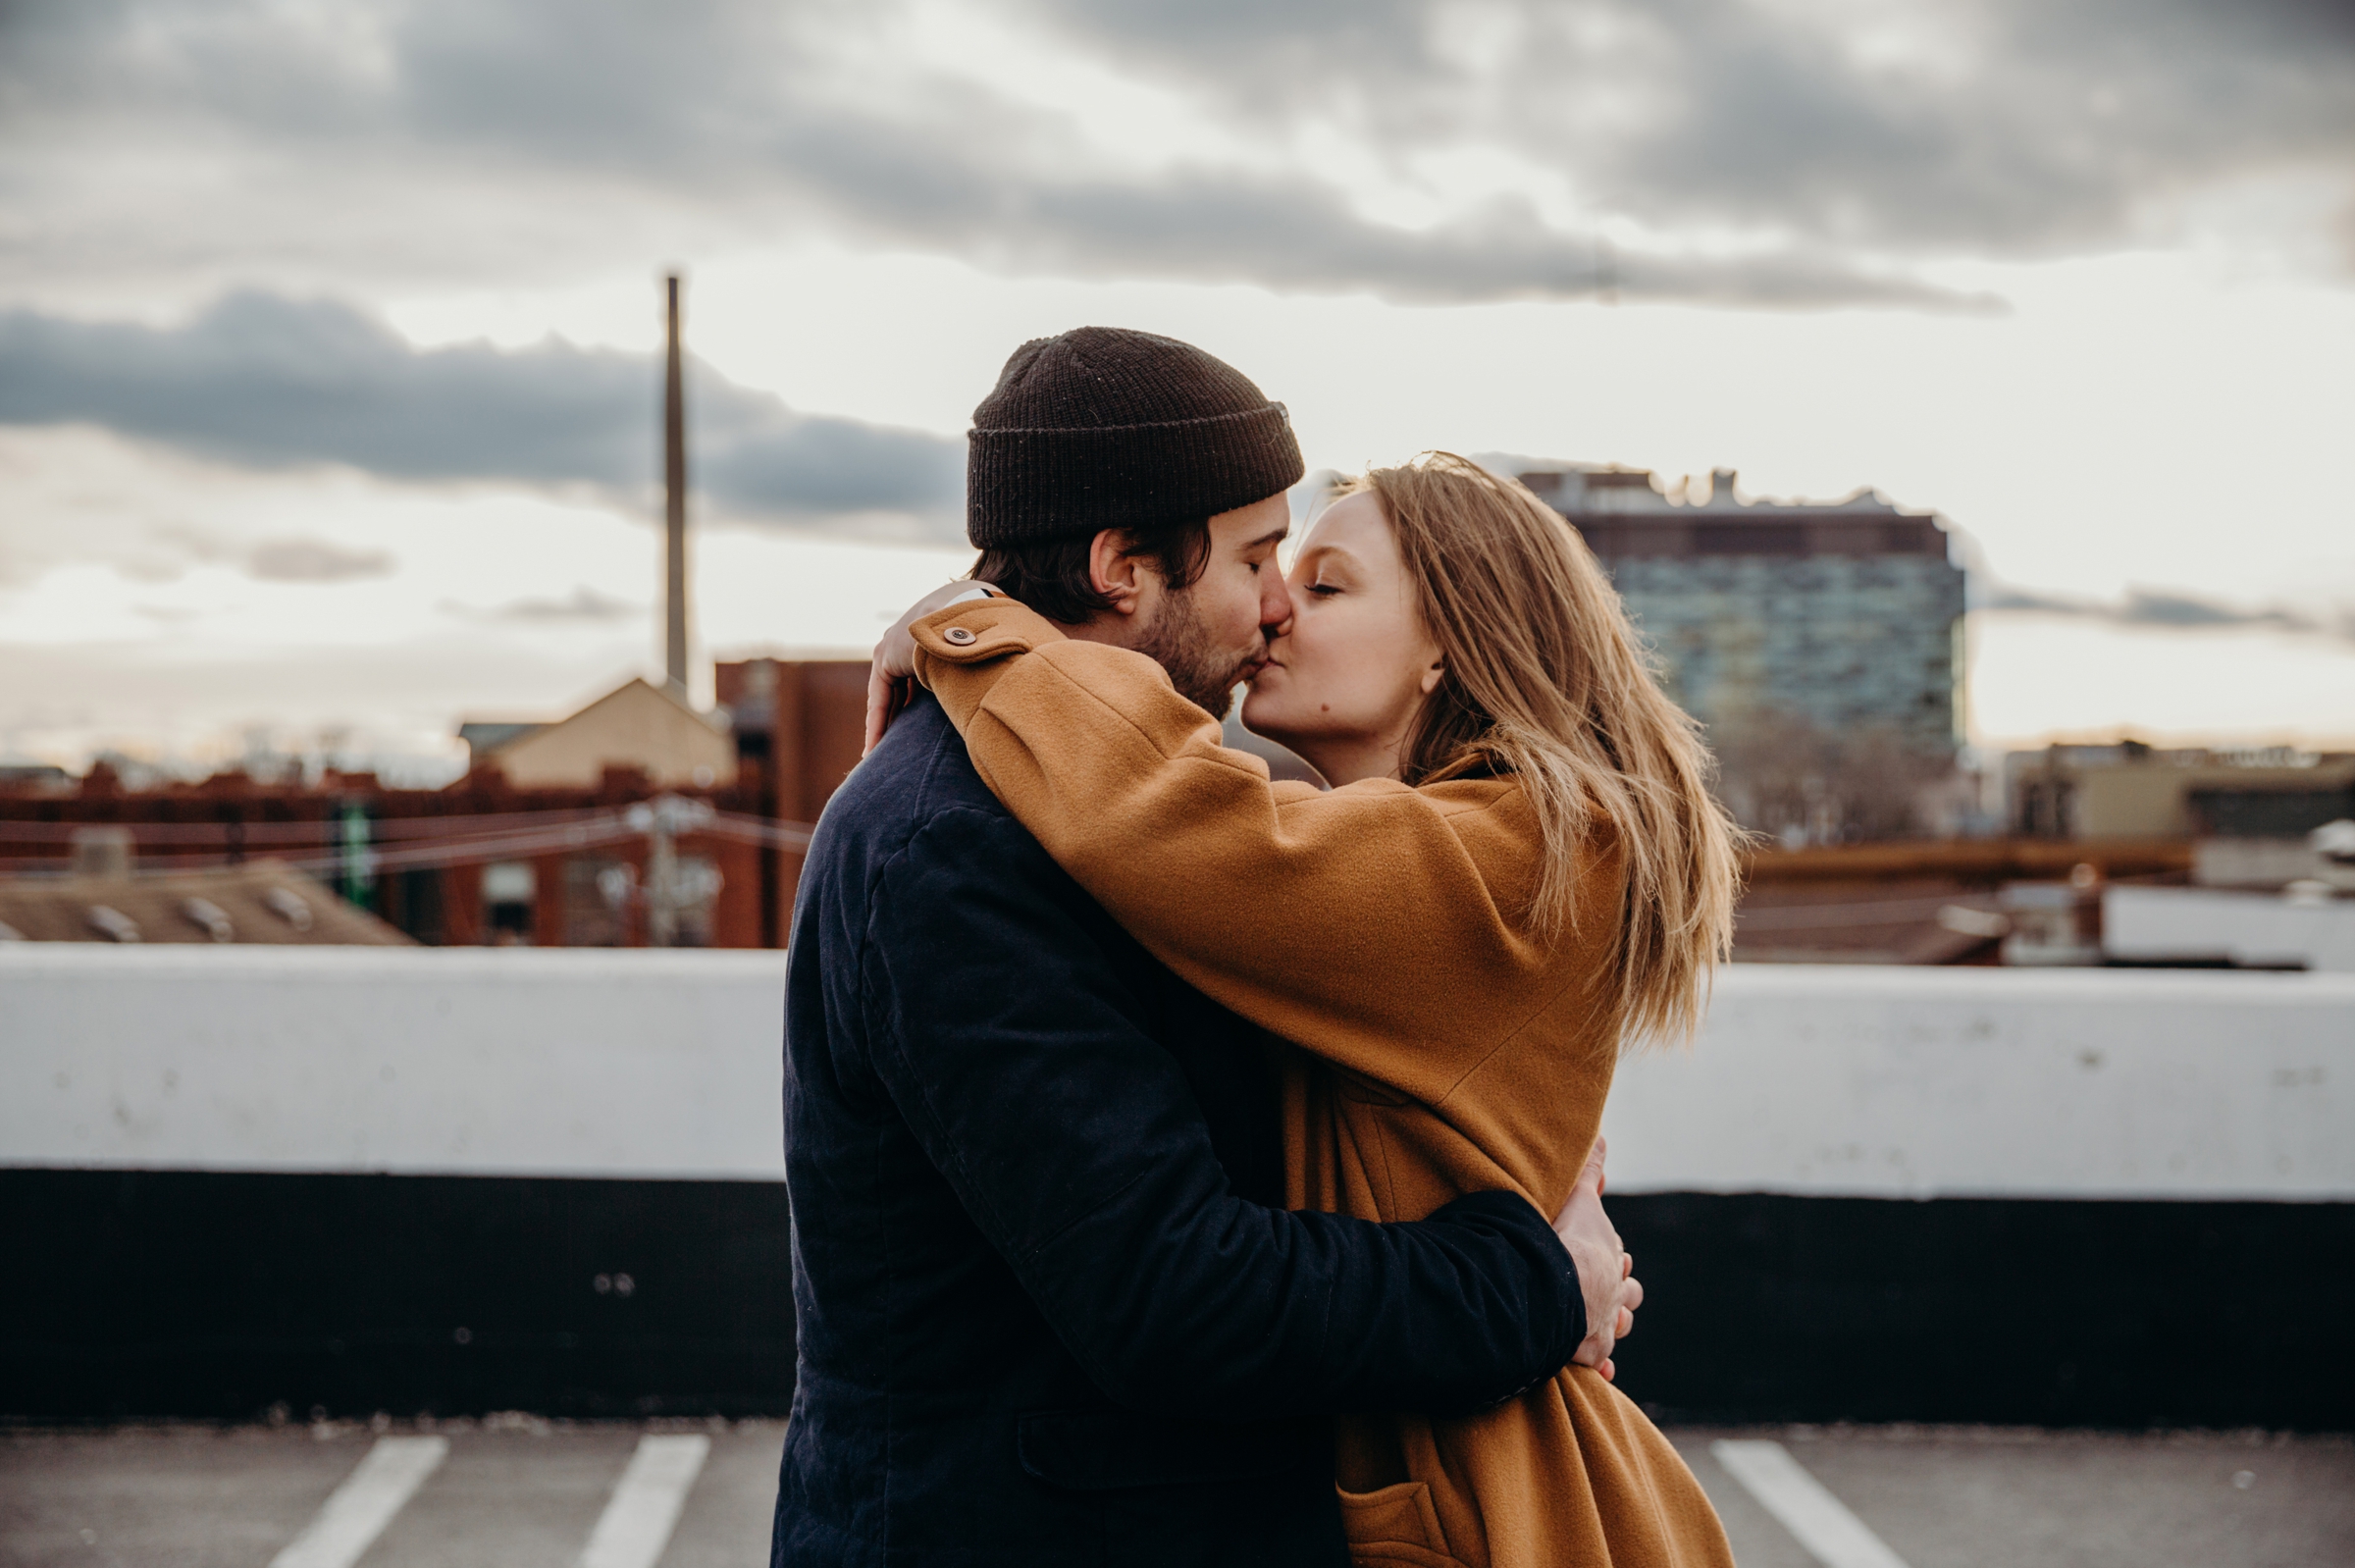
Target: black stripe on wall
x=216, y=1295
x=175, y=1294
x=2035, y=1312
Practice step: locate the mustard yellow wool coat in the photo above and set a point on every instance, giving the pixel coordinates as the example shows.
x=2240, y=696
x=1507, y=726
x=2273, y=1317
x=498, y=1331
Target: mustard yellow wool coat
x=1441, y=1051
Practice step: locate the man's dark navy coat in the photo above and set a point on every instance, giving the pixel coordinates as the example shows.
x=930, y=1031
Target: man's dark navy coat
x=1049, y=1310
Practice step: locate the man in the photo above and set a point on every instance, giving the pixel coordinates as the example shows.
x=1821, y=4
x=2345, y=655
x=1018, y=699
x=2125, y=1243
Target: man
x=1050, y=1309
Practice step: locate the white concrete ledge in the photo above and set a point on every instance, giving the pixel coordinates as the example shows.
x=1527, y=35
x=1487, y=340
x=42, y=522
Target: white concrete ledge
x=2257, y=929
x=1962, y=1082
x=1876, y=1083
x=495, y=1062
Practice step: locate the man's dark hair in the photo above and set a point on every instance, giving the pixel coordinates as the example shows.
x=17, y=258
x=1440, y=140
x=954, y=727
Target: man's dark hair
x=1051, y=575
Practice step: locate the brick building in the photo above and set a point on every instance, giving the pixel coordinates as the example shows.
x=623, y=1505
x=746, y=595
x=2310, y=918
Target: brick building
x=560, y=859
x=798, y=726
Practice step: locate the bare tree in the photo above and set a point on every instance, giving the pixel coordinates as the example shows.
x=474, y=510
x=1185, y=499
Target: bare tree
x=1790, y=777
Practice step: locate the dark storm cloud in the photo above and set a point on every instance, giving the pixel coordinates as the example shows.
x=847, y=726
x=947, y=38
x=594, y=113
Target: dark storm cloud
x=268, y=381
x=1848, y=151
x=1983, y=126
x=2155, y=607
x=1296, y=235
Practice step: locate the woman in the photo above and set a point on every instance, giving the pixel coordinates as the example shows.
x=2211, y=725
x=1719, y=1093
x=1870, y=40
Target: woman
x=1519, y=870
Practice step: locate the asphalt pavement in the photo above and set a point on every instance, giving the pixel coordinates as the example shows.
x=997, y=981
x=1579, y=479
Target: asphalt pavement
x=524, y=1493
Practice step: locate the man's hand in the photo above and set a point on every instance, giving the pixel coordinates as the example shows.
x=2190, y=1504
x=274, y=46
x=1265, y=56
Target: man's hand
x=1605, y=1272
x=894, y=666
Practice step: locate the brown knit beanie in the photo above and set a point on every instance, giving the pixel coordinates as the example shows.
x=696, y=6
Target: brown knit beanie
x=1105, y=428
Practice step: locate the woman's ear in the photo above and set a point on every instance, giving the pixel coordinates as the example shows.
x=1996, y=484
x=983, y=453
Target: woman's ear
x=1114, y=570
x=1436, y=673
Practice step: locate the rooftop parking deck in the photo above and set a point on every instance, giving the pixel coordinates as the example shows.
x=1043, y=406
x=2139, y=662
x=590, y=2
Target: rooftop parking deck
x=526, y=1493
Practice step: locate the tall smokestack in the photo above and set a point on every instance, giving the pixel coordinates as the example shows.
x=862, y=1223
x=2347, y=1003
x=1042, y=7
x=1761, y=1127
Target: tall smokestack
x=674, y=481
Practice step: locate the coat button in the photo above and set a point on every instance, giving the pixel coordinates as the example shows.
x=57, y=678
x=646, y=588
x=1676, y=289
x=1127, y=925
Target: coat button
x=959, y=635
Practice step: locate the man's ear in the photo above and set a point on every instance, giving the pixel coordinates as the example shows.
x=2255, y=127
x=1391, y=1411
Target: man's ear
x=1116, y=573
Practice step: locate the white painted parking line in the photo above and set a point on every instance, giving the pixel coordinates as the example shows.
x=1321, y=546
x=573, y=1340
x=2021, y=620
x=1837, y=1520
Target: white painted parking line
x=645, y=1507
x=1817, y=1520
x=356, y=1512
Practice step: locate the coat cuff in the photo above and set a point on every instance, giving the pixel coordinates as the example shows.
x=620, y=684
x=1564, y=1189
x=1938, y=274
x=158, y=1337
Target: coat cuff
x=1555, y=1303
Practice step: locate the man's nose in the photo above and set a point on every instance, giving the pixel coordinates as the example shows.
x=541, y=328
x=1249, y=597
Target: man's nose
x=1275, y=605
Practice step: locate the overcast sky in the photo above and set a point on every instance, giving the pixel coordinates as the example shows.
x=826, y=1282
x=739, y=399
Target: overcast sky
x=328, y=397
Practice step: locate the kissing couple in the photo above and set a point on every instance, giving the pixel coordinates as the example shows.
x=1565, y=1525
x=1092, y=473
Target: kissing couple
x=1171, y=1151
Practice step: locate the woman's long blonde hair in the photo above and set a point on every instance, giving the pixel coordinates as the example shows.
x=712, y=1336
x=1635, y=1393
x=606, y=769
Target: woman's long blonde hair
x=1547, y=682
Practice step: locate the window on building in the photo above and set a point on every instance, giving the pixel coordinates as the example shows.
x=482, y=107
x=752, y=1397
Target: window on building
x=416, y=905
x=700, y=883
x=509, y=891
x=598, y=892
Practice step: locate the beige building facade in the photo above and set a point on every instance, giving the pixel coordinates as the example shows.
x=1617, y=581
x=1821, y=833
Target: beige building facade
x=636, y=725
x=2133, y=791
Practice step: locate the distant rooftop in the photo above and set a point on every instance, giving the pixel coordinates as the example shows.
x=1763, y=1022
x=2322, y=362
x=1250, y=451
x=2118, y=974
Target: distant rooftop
x=34, y=778
x=1583, y=487
x=1633, y=511
x=637, y=724
x=257, y=902
x=485, y=736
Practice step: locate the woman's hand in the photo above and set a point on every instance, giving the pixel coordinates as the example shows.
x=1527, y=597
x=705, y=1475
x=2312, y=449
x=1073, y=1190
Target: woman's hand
x=1606, y=1274
x=894, y=666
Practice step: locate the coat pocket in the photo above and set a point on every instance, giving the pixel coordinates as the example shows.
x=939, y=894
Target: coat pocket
x=1395, y=1528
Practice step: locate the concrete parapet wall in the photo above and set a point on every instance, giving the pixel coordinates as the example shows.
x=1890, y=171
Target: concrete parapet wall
x=1825, y=1081
x=2153, y=923
x=475, y=1062
x=1933, y=1084
x=465, y=1180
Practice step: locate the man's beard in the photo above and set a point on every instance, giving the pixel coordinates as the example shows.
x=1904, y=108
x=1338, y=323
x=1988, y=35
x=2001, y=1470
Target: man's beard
x=1204, y=673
